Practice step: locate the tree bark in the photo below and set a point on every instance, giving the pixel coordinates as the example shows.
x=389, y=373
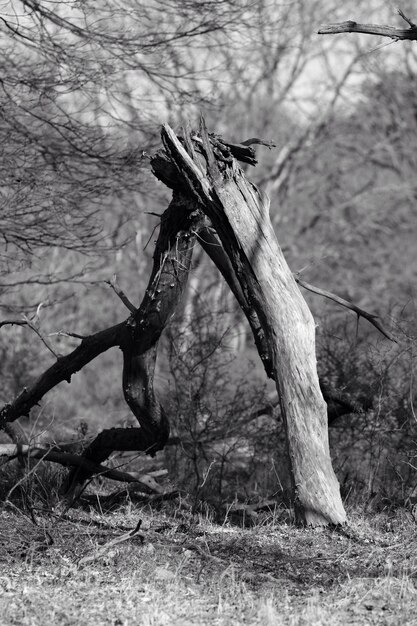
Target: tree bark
x=138, y=338
x=239, y=213
x=139, y=341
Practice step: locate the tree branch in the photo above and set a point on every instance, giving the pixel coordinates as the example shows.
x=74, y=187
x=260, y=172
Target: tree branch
x=13, y=323
x=61, y=370
x=139, y=333
x=36, y=330
x=103, y=549
x=372, y=319
x=123, y=297
x=372, y=29
x=407, y=19
x=140, y=336
x=255, y=141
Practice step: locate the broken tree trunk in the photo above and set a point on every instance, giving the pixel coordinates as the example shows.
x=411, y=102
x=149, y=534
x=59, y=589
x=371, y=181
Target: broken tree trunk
x=139, y=340
x=205, y=169
x=137, y=337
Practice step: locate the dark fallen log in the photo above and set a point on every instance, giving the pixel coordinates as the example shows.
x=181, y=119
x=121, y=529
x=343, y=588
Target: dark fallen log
x=10, y=452
x=132, y=491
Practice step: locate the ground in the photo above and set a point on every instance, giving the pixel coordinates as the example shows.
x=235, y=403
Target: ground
x=85, y=568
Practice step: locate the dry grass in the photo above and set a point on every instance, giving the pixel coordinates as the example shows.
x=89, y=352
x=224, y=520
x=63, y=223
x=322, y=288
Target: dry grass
x=190, y=571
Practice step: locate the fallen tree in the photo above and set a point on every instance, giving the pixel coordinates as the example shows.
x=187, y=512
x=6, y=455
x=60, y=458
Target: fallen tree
x=54, y=453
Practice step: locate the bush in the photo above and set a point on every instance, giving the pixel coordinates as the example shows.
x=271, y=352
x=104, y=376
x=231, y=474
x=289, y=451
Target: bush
x=223, y=443
x=374, y=452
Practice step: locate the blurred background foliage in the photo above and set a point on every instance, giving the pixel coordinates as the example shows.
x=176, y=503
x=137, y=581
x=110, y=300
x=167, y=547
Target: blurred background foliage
x=84, y=89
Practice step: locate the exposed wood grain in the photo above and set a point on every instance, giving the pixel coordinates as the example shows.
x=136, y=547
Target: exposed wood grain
x=239, y=213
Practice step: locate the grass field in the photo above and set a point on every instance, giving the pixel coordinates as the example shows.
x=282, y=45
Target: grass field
x=85, y=568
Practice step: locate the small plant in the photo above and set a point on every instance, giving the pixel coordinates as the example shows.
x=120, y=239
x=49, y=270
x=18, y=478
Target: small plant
x=374, y=450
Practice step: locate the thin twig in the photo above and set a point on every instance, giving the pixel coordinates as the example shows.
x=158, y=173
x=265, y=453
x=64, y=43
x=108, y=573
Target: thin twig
x=63, y=333
x=123, y=297
x=13, y=323
x=406, y=19
x=372, y=319
x=36, y=330
x=101, y=551
x=150, y=236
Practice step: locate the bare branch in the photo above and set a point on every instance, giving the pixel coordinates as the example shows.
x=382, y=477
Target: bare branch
x=253, y=141
x=36, y=330
x=171, y=263
x=103, y=549
x=61, y=370
x=62, y=333
x=407, y=19
x=13, y=323
x=372, y=319
x=123, y=297
x=372, y=29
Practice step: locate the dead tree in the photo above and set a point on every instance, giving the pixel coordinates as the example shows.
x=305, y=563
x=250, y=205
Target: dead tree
x=137, y=338
x=283, y=327
x=213, y=203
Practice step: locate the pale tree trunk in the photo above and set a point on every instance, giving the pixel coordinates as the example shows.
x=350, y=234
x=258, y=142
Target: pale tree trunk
x=239, y=214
